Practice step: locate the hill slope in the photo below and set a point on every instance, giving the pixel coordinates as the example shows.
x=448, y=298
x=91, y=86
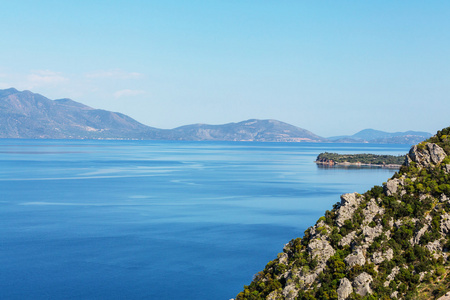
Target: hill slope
x=382, y=137
x=250, y=130
x=29, y=115
x=391, y=242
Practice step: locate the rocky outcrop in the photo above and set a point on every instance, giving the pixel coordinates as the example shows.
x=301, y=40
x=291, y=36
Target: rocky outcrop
x=392, y=185
x=345, y=289
x=362, y=284
x=349, y=202
x=379, y=257
x=426, y=155
x=356, y=258
x=389, y=241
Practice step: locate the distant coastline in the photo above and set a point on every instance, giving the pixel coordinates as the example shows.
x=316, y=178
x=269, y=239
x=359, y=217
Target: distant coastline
x=359, y=160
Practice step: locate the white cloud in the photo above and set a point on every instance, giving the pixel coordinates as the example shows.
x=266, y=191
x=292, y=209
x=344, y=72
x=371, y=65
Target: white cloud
x=45, y=77
x=128, y=93
x=115, y=74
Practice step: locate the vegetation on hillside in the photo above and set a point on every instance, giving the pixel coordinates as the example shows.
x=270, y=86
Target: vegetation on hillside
x=390, y=242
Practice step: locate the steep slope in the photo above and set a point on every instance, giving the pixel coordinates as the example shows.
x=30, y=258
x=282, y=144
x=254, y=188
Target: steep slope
x=390, y=243
x=377, y=136
x=250, y=130
x=29, y=115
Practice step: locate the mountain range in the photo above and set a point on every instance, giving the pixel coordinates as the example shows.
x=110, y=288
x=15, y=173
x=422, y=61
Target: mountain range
x=27, y=115
x=377, y=136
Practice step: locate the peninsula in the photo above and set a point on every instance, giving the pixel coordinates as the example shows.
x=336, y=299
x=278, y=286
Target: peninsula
x=365, y=159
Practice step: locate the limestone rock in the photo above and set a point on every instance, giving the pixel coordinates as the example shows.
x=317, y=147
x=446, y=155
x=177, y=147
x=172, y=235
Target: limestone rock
x=371, y=233
x=290, y=292
x=445, y=223
x=445, y=297
x=379, y=257
x=392, y=186
x=391, y=276
x=321, y=250
x=447, y=168
x=345, y=289
x=346, y=240
x=371, y=210
x=355, y=258
x=434, y=246
x=362, y=284
x=349, y=202
x=425, y=157
x=419, y=234
x=437, y=153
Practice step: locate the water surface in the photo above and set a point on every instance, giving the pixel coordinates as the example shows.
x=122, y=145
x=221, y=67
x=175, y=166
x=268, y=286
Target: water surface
x=159, y=220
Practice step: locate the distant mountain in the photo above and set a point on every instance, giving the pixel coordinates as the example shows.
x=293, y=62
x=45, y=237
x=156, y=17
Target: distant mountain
x=24, y=114
x=250, y=130
x=382, y=137
x=29, y=115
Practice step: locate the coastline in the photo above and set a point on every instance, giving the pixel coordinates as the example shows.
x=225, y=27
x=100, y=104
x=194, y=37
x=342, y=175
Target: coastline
x=357, y=164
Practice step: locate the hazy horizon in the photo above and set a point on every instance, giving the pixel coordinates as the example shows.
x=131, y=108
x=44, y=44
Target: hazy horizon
x=332, y=68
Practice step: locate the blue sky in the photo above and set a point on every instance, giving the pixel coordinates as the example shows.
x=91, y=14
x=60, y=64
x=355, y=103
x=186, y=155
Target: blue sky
x=332, y=67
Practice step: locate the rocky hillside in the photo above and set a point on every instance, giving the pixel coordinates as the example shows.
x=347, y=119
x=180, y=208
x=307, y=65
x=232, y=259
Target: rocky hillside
x=391, y=242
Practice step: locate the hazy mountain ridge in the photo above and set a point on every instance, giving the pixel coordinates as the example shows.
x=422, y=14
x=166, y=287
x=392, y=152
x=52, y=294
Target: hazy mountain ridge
x=24, y=114
x=382, y=137
x=391, y=242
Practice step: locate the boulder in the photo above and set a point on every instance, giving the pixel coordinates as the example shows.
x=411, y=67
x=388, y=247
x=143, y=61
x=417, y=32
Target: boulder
x=349, y=202
x=355, y=258
x=426, y=156
x=362, y=284
x=392, y=186
x=345, y=289
x=379, y=257
x=321, y=250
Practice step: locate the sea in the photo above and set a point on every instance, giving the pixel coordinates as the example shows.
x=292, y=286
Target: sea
x=89, y=219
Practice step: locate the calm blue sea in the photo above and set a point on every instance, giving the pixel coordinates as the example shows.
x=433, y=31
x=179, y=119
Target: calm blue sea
x=159, y=220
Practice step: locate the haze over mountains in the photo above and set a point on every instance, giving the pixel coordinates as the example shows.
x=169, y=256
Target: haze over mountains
x=28, y=115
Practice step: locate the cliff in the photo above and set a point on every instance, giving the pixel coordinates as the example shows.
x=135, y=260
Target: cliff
x=391, y=242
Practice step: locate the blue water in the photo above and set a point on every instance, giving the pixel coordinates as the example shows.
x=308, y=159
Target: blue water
x=159, y=220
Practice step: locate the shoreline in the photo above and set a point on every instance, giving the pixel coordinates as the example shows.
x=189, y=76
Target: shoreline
x=358, y=164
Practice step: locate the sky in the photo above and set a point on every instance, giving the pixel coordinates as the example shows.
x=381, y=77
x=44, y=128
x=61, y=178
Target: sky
x=331, y=67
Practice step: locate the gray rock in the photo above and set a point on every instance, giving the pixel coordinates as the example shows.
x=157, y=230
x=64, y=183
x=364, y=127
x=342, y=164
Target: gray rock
x=346, y=240
x=391, y=276
x=425, y=157
x=392, y=186
x=355, y=258
x=321, y=250
x=437, y=154
x=394, y=294
x=445, y=223
x=371, y=210
x=379, y=257
x=290, y=292
x=447, y=168
x=345, y=289
x=434, y=246
x=371, y=233
x=362, y=284
x=349, y=202
x=445, y=297
x=416, y=239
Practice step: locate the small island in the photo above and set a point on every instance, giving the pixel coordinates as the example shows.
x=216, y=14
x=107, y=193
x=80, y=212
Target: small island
x=365, y=159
